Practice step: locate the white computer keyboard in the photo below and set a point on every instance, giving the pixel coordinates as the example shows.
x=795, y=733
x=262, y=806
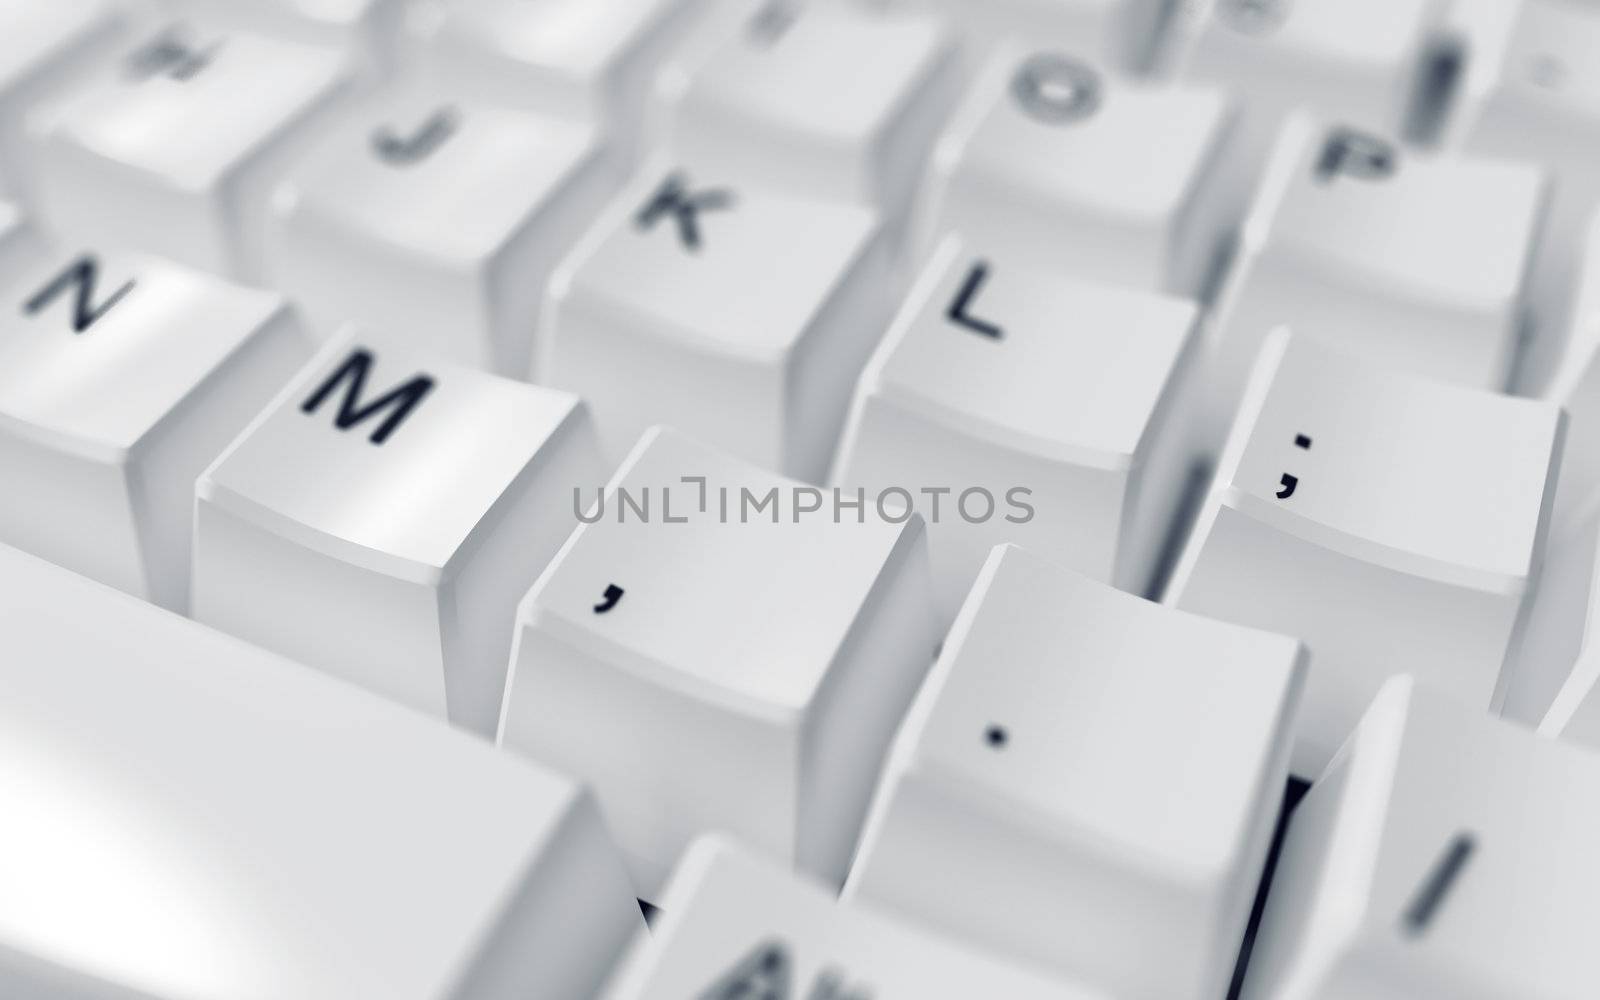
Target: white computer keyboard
x=799, y=499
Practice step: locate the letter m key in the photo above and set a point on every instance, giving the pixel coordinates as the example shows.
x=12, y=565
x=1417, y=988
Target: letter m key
x=395, y=405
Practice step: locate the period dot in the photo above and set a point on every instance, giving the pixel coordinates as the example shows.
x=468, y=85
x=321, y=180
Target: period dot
x=996, y=736
x=1301, y=441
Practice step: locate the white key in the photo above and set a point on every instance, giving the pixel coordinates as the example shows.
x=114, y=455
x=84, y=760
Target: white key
x=1444, y=855
x=121, y=379
x=179, y=153
x=43, y=47
x=438, y=224
x=382, y=518
x=19, y=243
x=1121, y=33
x=736, y=926
x=188, y=816
x=1418, y=264
x=1576, y=388
x=1570, y=628
x=1060, y=402
x=590, y=60
x=736, y=314
x=1391, y=522
x=1053, y=160
x=1559, y=611
x=1360, y=62
x=1087, y=779
x=832, y=101
x=366, y=27
x=1540, y=101
x=741, y=671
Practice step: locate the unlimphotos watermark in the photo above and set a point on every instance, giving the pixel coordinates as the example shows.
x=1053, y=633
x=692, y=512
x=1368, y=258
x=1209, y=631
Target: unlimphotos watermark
x=778, y=504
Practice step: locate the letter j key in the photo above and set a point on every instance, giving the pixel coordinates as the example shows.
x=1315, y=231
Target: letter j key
x=381, y=519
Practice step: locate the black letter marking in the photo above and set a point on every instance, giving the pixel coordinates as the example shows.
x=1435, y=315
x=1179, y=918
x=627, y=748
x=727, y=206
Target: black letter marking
x=772, y=21
x=958, y=313
x=1253, y=17
x=671, y=198
x=1055, y=89
x=1355, y=154
x=404, y=398
x=829, y=985
x=1289, y=483
x=761, y=975
x=613, y=594
x=392, y=149
x=82, y=272
x=1437, y=886
x=169, y=53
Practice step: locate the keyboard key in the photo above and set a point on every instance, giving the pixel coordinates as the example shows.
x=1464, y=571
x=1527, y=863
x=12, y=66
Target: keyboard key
x=1574, y=711
x=1056, y=403
x=834, y=101
x=178, y=154
x=1576, y=388
x=44, y=46
x=589, y=60
x=1087, y=779
x=1358, y=62
x=1391, y=522
x=1418, y=264
x=1558, y=614
x=1050, y=160
x=1122, y=33
x=735, y=926
x=437, y=224
x=19, y=243
x=1443, y=855
x=736, y=314
x=366, y=27
x=382, y=518
x=188, y=816
x=742, y=670
x=1540, y=100
x=121, y=379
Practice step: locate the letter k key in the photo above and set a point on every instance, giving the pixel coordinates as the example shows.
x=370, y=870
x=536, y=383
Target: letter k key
x=673, y=198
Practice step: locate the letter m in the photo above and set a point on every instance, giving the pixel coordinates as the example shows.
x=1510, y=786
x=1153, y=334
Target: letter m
x=399, y=401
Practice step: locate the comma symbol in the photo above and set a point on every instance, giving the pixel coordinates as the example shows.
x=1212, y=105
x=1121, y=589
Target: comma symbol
x=613, y=594
x=1289, y=483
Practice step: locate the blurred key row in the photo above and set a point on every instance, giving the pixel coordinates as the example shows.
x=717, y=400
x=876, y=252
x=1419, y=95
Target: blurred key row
x=897, y=301
x=1067, y=794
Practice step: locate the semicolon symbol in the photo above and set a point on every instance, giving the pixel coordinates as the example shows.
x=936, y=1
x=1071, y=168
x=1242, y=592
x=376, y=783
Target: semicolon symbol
x=1289, y=483
x=613, y=594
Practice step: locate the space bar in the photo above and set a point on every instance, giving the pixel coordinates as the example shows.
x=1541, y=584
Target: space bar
x=185, y=816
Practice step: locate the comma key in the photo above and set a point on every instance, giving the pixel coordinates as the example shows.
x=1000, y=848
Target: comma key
x=750, y=678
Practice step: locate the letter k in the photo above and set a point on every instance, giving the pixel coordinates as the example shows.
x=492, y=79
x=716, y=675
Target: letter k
x=673, y=198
